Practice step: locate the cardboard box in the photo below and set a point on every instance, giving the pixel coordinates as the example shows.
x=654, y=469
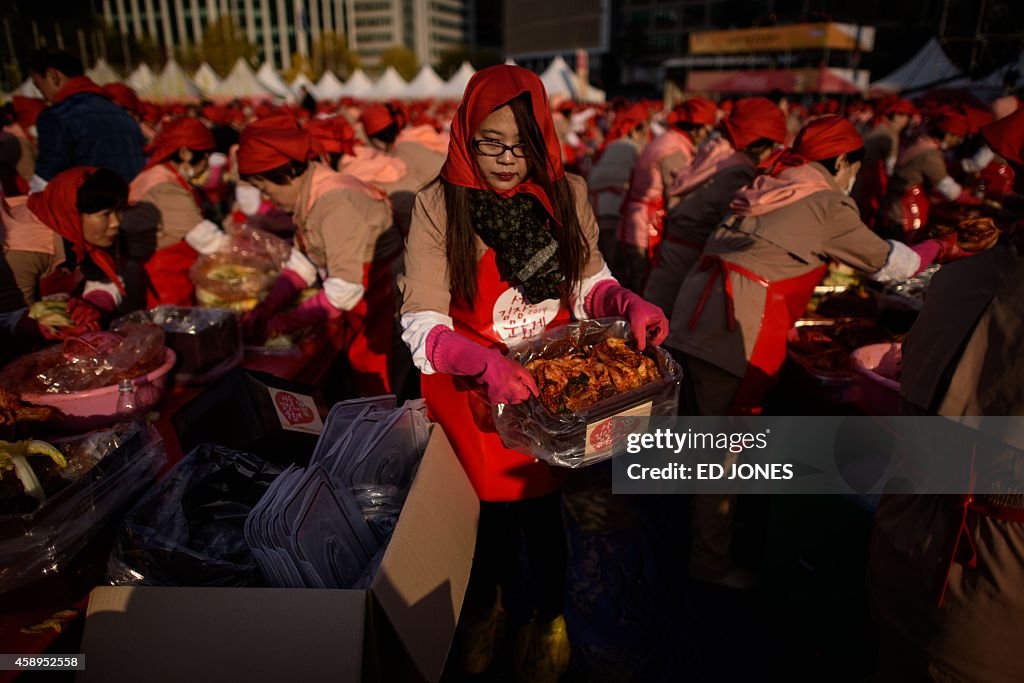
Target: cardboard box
x=399, y=629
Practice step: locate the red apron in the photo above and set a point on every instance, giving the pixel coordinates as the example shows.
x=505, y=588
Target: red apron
x=168, y=268
x=498, y=314
x=785, y=301
x=914, y=207
x=874, y=183
x=168, y=276
x=368, y=330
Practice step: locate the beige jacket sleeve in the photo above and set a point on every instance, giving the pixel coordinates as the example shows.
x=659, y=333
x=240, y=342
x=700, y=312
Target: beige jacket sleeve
x=847, y=239
x=345, y=234
x=178, y=213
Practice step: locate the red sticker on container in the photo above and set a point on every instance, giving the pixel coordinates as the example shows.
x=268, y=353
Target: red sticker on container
x=296, y=412
x=611, y=432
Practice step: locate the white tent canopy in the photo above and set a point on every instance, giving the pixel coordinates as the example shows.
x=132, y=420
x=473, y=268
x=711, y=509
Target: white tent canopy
x=388, y=87
x=510, y=62
x=358, y=84
x=994, y=81
x=172, y=84
x=241, y=82
x=301, y=81
x=102, y=73
x=929, y=66
x=425, y=84
x=329, y=87
x=456, y=85
x=141, y=78
x=272, y=81
x=206, y=79
x=561, y=81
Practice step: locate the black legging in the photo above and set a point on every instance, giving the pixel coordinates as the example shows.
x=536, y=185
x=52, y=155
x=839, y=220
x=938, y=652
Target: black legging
x=533, y=579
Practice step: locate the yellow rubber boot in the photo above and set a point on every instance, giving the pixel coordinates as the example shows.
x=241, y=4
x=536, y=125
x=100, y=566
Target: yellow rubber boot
x=479, y=636
x=542, y=651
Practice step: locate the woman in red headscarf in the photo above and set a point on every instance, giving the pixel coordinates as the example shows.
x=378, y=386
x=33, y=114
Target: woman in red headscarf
x=167, y=213
x=881, y=147
x=700, y=193
x=644, y=209
x=71, y=226
x=609, y=179
x=501, y=247
x=755, y=279
x=395, y=161
x=344, y=239
x=921, y=172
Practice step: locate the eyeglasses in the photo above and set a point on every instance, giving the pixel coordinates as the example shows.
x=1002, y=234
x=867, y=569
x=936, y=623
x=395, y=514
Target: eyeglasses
x=491, y=148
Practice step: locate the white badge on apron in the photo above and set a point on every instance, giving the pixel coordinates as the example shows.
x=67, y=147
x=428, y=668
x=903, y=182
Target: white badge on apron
x=514, y=319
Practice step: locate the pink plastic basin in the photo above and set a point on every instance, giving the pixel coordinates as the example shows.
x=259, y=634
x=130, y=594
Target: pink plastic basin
x=102, y=402
x=879, y=395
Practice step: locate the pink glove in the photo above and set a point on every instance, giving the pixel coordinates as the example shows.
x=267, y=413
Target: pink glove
x=647, y=321
x=312, y=312
x=103, y=301
x=928, y=250
x=506, y=381
x=285, y=289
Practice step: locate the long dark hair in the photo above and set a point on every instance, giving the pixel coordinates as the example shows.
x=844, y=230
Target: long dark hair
x=460, y=242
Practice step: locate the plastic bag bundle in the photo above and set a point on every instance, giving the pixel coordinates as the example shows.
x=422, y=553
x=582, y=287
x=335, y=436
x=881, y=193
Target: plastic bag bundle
x=90, y=361
x=188, y=529
x=241, y=272
x=207, y=341
x=588, y=436
x=106, y=470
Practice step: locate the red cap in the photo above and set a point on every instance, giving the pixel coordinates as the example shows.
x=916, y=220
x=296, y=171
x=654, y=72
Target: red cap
x=827, y=137
x=952, y=122
x=896, y=105
x=263, y=147
x=625, y=121
x=334, y=134
x=177, y=133
x=696, y=110
x=752, y=119
x=124, y=96
x=27, y=109
x=375, y=118
x=1006, y=137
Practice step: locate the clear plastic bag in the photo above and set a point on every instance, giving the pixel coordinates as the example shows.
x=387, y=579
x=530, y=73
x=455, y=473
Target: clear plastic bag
x=241, y=272
x=89, y=361
x=106, y=470
x=908, y=295
x=207, y=341
x=585, y=437
x=188, y=530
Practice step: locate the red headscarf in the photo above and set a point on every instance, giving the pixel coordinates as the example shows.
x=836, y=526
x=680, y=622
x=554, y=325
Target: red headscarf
x=334, y=134
x=752, y=119
x=625, y=121
x=123, y=95
x=375, y=118
x=896, y=105
x=823, y=138
x=273, y=142
x=1006, y=137
x=978, y=119
x=27, y=110
x=695, y=110
x=57, y=207
x=490, y=89
x=76, y=86
x=175, y=134
x=952, y=122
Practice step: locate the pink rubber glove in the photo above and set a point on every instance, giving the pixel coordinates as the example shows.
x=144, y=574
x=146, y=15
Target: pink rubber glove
x=928, y=250
x=285, y=289
x=312, y=312
x=647, y=321
x=506, y=381
x=103, y=301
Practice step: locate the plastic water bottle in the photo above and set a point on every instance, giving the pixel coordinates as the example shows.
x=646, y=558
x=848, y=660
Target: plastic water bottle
x=126, y=402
